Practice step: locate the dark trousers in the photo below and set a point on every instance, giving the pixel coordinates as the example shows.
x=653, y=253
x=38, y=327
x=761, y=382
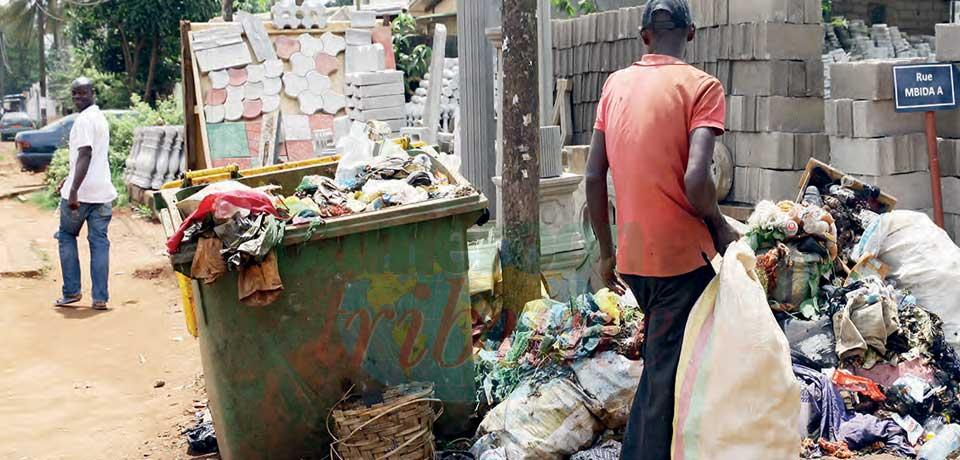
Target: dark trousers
x=666, y=304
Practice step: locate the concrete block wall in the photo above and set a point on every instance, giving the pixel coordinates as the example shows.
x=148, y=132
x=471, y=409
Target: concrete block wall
x=586, y=50
x=870, y=140
x=768, y=56
x=948, y=128
x=914, y=16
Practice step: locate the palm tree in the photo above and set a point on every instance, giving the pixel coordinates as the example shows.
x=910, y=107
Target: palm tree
x=21, y=18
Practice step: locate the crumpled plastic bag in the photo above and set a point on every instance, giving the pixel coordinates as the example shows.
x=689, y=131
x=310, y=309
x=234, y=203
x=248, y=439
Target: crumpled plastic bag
x=611, y=381
x=549, y=423
x=923, y=259
x=393, y=192
x=356, y=151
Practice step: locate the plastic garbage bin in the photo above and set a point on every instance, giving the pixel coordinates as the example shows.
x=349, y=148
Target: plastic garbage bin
x=378, y=297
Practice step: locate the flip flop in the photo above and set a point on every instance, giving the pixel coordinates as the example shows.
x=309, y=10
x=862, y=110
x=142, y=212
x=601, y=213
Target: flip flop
x=64, y=301
x=100, y=305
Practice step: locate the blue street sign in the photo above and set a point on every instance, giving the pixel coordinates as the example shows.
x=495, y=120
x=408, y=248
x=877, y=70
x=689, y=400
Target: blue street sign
x=924, y=87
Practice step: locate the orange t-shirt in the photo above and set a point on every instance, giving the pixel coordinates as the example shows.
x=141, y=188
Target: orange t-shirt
x=647, y=112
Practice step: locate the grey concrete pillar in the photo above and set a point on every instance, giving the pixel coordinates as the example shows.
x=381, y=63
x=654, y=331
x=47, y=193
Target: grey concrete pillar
x=477, y=124
x=545, y=60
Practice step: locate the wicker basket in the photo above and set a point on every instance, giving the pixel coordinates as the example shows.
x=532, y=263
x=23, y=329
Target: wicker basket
x=399, y=428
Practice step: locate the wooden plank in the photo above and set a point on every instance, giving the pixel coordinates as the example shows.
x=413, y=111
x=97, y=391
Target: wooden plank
x=332, y=26
x=189, y=97
x=201, y=116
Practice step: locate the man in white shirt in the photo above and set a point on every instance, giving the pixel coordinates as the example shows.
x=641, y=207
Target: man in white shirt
x=87, y=196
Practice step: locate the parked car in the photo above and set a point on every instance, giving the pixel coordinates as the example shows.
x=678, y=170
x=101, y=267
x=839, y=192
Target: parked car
x=36, y=147
x=14, y=122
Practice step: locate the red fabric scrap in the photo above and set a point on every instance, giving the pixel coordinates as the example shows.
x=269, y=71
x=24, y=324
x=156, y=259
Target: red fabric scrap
x=255, y=201
x=847, y=381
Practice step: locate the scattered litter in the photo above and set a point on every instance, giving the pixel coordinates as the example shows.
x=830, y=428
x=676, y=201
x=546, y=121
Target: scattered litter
x=202, y=438
x=159, y=384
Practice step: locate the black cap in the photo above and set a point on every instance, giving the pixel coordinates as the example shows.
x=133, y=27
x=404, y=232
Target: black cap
x=679, y=15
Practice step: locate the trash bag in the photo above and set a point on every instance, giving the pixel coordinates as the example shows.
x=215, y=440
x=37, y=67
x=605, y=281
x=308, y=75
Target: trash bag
x=356, y=152
x=736, y=395
x=549, y=423
x=202, y=438
x=923, y=259
x=611, y=381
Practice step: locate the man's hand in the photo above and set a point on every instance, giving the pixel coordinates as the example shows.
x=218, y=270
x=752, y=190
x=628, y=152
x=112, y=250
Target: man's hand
x=60, y=185
x=73, y=202
x=608, y=272
x=723, y=235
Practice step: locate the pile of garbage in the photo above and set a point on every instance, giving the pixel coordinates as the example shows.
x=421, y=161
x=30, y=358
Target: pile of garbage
x=233, y=227
x=867, y=298
x=563, y=382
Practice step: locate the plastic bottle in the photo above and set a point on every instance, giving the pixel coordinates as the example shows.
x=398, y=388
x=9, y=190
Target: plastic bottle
x=941, y=446
x=932, y=427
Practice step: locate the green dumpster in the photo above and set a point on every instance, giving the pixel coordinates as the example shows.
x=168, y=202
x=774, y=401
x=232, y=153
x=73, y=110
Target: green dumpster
x=373, y=298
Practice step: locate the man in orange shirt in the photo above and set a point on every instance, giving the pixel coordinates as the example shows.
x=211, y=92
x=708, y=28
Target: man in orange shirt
x=657, y=124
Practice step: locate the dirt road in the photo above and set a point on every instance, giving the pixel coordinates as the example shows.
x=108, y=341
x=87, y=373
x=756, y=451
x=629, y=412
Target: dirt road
x=77, y=383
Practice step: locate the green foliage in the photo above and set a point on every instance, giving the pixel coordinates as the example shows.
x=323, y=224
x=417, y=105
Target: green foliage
x=252, y=6
x=68, y=65
x=413, y=60
x=575, y=7
x=168, y=112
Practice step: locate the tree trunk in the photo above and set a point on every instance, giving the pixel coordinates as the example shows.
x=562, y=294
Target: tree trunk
x=41, y=28
x=152, y=71
x=228, y=10
x=520, y=247
x=3, y=69
x=56, y=26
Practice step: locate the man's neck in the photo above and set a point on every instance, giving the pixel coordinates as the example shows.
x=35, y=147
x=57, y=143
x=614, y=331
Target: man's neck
x=666, y=52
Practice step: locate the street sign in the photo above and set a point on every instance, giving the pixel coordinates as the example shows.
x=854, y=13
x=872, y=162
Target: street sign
x=924, y=87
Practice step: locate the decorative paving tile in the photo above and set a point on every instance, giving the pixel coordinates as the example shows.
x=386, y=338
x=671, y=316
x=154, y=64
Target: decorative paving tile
x=255, y=72
x=286, y=46
x=253, y=129
x=321, y=121
x=253, y=91
x=214, y=113
x=273, y=68
x=284, y=15
x=257, y=35
x=310, y=45
x=310, y=102
x=223, y=57
x=233, y=110
x=317, y=82
x=234, y=94
x=216, y=97
x=296, y=127
x=252, y=109
x=293, y=84
x=216, y=37
x=302, y=63
x=326, y=64
x=242, y=162
x=333, y=44
x=270, y=103
x=272, y=86
x=383, y=36
x=299, y=150
x=237, y=76
x=333, y=102
x=227, y=140
x=219, y=79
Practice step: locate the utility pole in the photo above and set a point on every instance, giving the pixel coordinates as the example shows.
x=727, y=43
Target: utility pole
x=42, y=28
x=520, y=106
x=227, y=10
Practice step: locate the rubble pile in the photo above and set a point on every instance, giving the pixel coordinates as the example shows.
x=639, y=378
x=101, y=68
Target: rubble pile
x=876, y=365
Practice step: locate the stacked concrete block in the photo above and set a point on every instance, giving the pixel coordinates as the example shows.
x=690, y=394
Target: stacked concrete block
x=586, y=50
x=768, y=54
x=377, y=96
x=449, y=97
x=870, y=140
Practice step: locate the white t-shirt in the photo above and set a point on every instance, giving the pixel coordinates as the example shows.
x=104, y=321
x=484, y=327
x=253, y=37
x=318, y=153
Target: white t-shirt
x=91, y=129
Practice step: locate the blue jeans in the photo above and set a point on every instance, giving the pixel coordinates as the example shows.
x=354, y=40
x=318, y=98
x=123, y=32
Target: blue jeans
x=97, y=216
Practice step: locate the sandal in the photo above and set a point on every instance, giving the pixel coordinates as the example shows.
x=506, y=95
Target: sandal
x=100, y=305
x=64, y=301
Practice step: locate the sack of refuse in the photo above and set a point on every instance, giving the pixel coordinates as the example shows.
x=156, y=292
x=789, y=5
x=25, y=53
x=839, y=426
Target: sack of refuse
x=543, y=422
x=736, y=395
x=611, y=381
x=923, y=260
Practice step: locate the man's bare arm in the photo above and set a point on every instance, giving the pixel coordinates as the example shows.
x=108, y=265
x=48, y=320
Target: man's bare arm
x=701, y=189
x=598, y=206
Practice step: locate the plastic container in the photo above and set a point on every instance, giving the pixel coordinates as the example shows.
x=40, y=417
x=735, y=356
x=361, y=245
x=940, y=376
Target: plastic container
x=941, y=446
x=377, y=298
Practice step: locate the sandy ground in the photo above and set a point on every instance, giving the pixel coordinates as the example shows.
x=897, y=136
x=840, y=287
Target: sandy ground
x=80, y=384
